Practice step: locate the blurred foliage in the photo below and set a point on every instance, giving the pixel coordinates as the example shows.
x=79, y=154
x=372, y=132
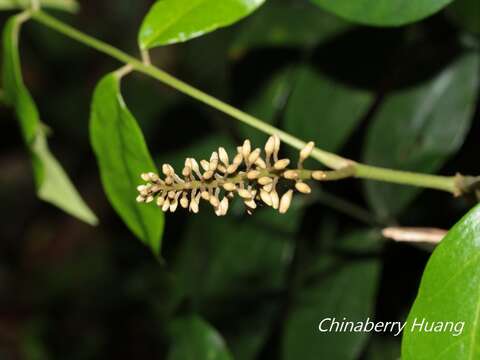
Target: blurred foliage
x=419, y=122
x=241, y=287
x=383, y=12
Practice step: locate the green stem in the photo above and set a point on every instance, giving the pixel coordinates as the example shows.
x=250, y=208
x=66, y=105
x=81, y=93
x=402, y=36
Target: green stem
x=445, y=183
x=329, y=159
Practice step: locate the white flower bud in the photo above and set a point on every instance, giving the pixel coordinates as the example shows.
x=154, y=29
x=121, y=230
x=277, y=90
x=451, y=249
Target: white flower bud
x=232, y=168
x=303, y=188
x=166, y=204
x=244, y=193
x=213, y=161
x=254, y=155
x=275, y=199
x=285, y=202
x=237, y=160
x=290, y=174
x=214, y=201
x=281, y=164
x=266, y=198
x=184, y=201
x=205, y=165
x=224, y=205
x=319, y=175
x=178, y=179
x=270, y=146
x=205, y=195
x=253, y=174
x=246, y=149
x=195, y=167
x=222, y=208
x=173, y=205
x=222, y=154
x=208, y=174
x=268, y=187
x=260, y=163
x=276, y=148
x=228, y=186
x=167, y=169
x=187, y=171
x=153, y=177
x=306, y=151
x=265, y=180
x=250, y=203
x=160, y=201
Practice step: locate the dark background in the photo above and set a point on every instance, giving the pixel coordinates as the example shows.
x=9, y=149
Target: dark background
x=71, y=291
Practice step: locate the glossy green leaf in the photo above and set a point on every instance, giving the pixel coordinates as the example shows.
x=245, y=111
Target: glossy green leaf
x=286, y=25
x=383, y=12
x=449, y=291
x=52, y=183
x=66, y=5
x=335, y=288
x=324, y=111
x=173, y=21
x=122, y=156
x=466, y=13
x=418, y=129
x=195, y=339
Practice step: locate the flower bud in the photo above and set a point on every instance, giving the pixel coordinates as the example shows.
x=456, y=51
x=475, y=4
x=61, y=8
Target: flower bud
x=285, y=202
x=281, y=164
x=319, y=175
x=303, y=187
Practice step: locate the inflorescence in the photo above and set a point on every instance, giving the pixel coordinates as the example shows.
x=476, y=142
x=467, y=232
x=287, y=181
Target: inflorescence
x=250, y=175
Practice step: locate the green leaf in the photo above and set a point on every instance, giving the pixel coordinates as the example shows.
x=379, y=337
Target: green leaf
x=324, y=111
x=449, y=291
x=383, y=12
x=337, y=288
x=418, y=129
x=195, y=339
x=52, y=184
x=66, y=5
x=286, y=25
x=122, y=156
x=172, y=21
x=466, y=13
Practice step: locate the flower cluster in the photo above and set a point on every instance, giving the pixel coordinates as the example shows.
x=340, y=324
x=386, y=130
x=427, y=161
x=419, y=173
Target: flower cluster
x=251, y=175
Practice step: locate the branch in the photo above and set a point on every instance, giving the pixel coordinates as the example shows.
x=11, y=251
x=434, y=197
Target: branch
x=444, y=183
